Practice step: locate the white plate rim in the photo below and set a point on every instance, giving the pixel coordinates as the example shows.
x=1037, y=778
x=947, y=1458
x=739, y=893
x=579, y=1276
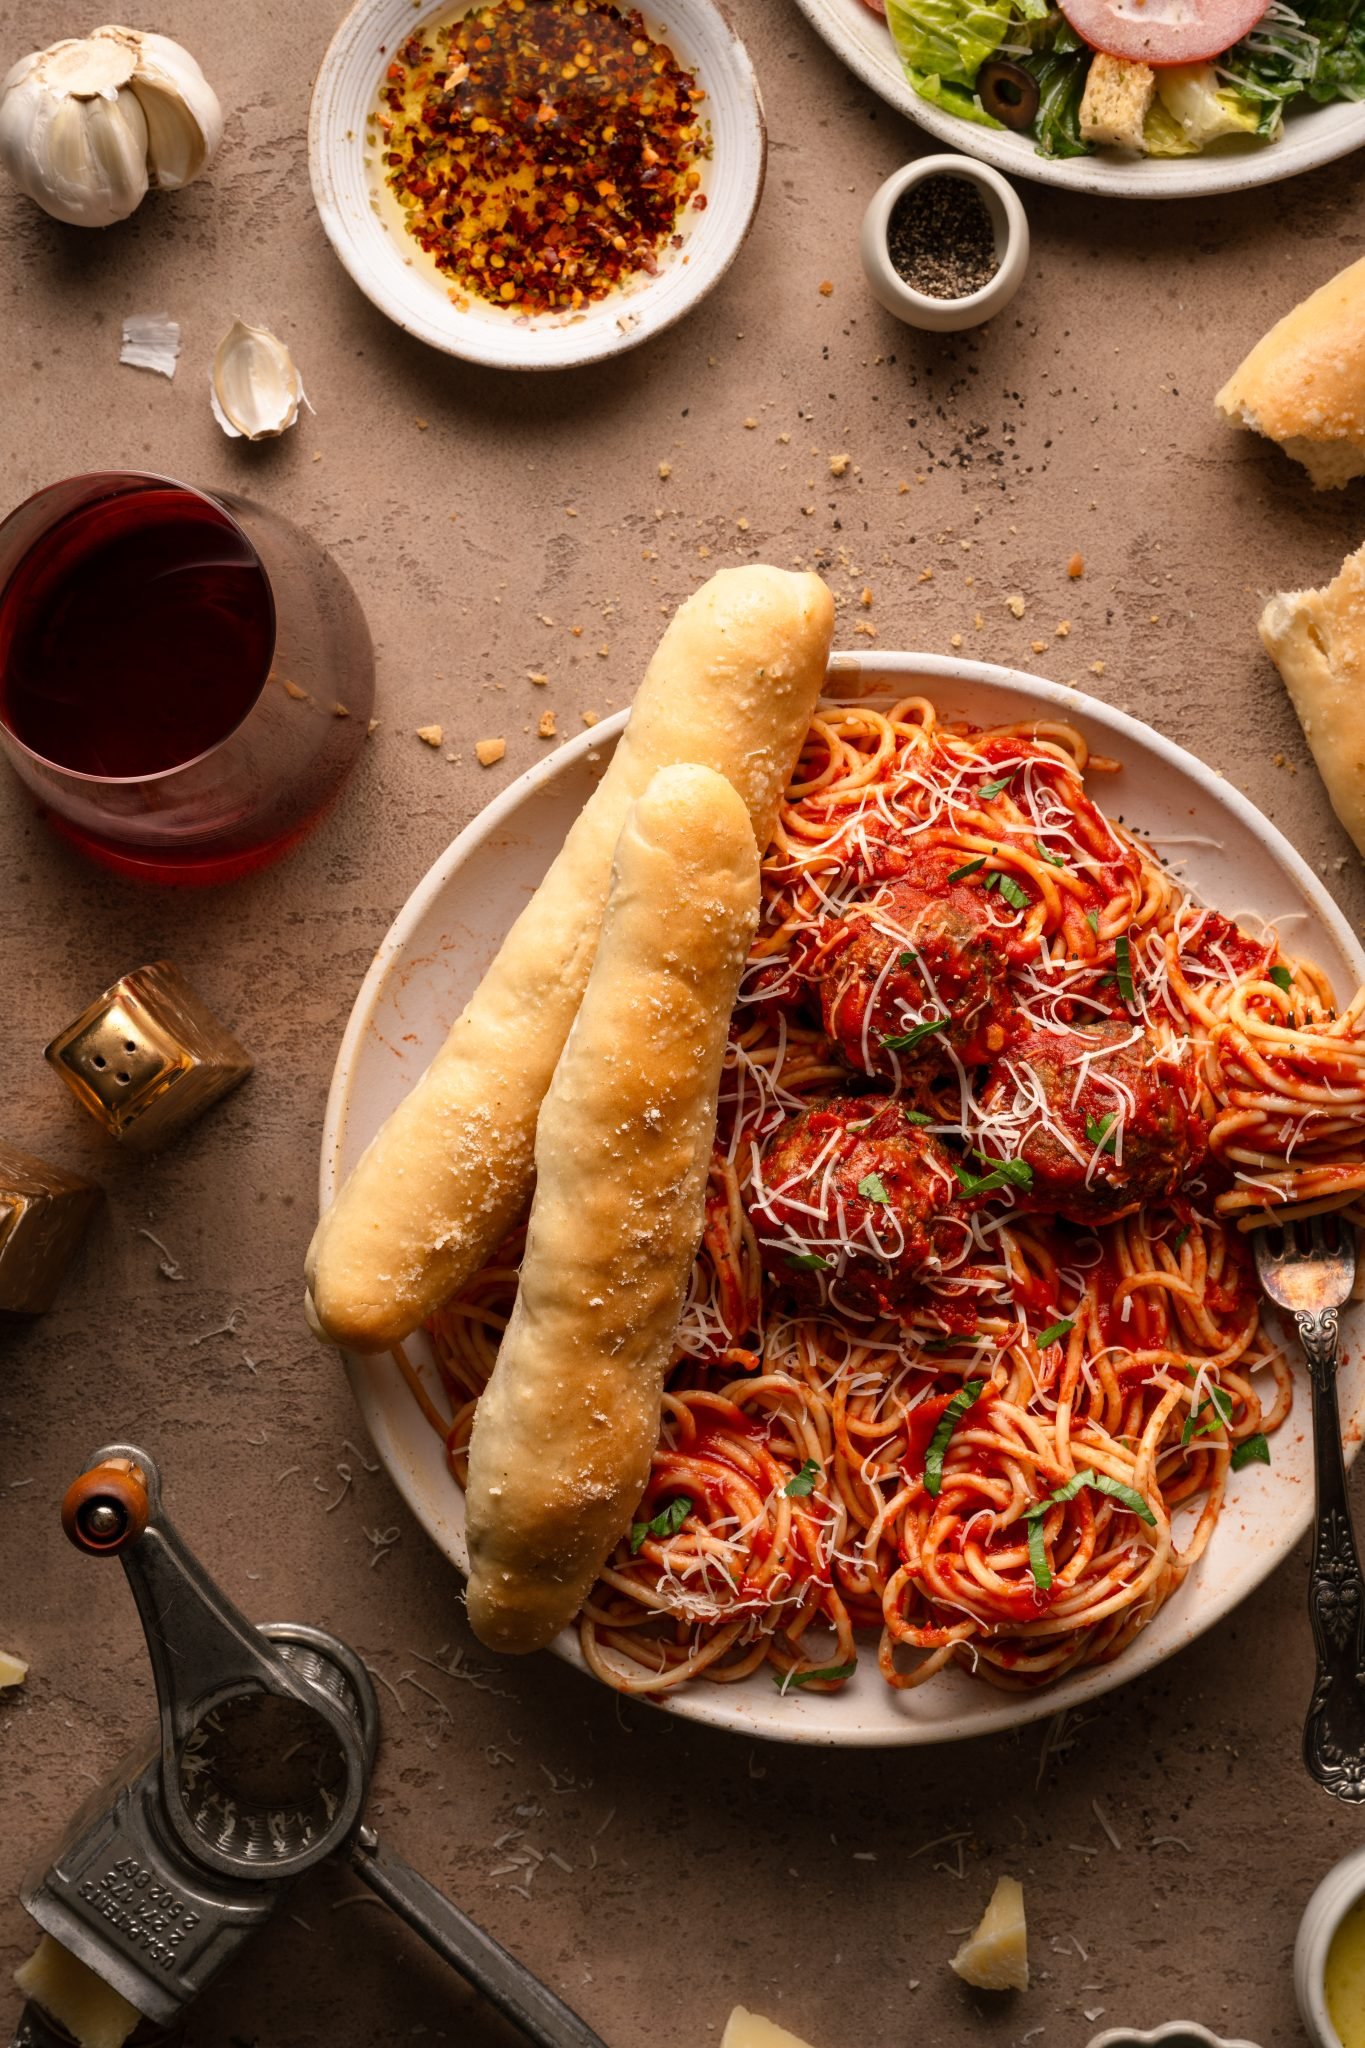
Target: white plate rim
x=1198, y=177
x=858, y=674
x=326, y=199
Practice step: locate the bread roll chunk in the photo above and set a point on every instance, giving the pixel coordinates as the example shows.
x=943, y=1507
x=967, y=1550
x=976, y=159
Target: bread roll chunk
x=732, y=687
x=1316, y=639
x=565, y=1430
x=1303, y=385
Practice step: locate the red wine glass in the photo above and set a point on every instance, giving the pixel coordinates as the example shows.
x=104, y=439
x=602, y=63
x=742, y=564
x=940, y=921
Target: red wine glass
x=186, y=678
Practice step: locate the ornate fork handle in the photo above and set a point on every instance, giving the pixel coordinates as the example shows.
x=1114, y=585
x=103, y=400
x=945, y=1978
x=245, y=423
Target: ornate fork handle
x=1334, y=1733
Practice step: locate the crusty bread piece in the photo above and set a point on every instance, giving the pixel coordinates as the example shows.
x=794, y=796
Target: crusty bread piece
x=1114, y=104
x=732, y=685
x=1303, y=384
x=1316, y=639
x=565, y=1429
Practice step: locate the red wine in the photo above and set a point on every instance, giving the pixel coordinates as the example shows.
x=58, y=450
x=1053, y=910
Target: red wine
x=135, y=636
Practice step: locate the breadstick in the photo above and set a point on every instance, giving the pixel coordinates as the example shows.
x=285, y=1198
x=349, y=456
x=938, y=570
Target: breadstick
x=565, y=1429
x=732, y=686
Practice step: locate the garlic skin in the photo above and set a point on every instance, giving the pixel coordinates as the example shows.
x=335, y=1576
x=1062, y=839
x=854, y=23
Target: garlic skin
x=88, y=125
x=255, y=388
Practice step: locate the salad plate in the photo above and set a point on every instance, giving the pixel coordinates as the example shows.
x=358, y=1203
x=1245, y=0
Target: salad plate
x=449, y=931
x=1312, y=134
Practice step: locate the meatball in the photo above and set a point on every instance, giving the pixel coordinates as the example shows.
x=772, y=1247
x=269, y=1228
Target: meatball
x=923, y=949
x=1104, y=1116
x=853, y=1201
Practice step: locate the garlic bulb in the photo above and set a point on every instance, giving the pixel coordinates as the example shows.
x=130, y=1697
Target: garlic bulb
x=256, y=388
x=89, y=124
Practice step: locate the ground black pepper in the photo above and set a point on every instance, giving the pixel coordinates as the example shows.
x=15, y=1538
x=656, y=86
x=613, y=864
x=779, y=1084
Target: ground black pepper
x=940, y=238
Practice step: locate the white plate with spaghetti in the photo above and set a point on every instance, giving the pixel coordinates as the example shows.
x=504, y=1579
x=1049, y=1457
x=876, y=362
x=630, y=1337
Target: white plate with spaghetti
x=1312, y=134
x=1227, y=856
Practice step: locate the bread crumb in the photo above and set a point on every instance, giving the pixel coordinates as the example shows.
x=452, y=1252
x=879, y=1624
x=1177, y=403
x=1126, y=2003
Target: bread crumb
x=1076, y=567
x=421, y=425
x=926, y=575
x=785, y=440
x=293, y=690
x=703, y=551
x=577, y=632
x=536, y=675
x=865, y=626
x=1015, y=603
x=838, y=464
x=489, y=751
x=430, y=733
x=865, y=597
x=1063, y=628
x=372, y=728
x=589, y=718
x=1097, y=668
x=665, y=469
x=546, y=728
x=571, y=511
x=603, y=652
x=751, y=422
x=743, y=525
x=956, y=640
x=1038, y=646
x=826, y=287
x=901, y=490
x=340, y=710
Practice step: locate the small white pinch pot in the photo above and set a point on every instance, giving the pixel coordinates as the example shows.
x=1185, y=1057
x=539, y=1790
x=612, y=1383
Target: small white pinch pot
x=1342, y=1888
x=1177, y=2034
x=1008, y=219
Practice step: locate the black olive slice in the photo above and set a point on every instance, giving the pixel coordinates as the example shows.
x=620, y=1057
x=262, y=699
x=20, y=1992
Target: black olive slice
x=1008, y=91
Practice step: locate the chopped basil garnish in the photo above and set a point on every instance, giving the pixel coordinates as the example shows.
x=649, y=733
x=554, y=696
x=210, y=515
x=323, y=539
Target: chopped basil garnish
x=1099, y=1482
x=1006, y=1173
x=1102, y=1135
x=1180, y=1237
x=1252, y=1450
x=990, y=789
x=1123, y=965
x=971, y=867
x=1017, y=1172
x=807, y=1262
x=992, y=880
x=916, y=1116
x=965, y=1398
x=907, y=960
x=873, y=1187
x=1282, y=978
x=667, y=1522
x=907, y=1040
x=787, y=1681
x=1221, y=1404
x=1013, y=894
x=1054, y=860
x=1092, y=918
x=803, y=1482
x=1054, y=1333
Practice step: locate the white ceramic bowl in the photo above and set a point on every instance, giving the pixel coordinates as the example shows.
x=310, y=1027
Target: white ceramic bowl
x=449, y=930
x=1312, y=135
x=1177, y=2034
x=1342, y=1888
x=364, y=225
x=1008, y=221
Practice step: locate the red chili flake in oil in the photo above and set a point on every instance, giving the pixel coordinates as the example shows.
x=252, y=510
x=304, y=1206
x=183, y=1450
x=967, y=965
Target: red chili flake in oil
x=542, y=151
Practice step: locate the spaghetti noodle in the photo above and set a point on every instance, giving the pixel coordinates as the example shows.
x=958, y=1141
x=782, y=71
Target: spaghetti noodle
x=973, y=1339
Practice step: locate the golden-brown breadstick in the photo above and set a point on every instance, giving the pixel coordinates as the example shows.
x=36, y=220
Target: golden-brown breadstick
x=732, y=686
x=564, y=1431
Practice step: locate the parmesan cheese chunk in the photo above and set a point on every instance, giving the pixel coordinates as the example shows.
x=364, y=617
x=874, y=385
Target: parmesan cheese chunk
x=13, y=1670
x=995, y=1958
x=73, y=1994
x=750, y=2030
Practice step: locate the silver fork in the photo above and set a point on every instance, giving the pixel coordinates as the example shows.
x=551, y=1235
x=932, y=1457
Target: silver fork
x=1312, y=1280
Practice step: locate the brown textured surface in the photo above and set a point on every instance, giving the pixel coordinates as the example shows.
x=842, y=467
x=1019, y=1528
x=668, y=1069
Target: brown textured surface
x=1082, y=420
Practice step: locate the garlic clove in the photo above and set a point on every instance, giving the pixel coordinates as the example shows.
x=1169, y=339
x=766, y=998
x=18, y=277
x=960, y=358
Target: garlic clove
x=184, y=118
x=256, y=388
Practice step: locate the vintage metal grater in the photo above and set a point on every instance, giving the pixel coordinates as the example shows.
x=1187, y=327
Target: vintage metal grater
x=192, y=1844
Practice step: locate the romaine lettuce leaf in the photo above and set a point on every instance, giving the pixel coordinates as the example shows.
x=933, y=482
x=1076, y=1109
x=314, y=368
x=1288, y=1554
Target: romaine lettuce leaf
x=954, y=99
x=1192, y=99
x=945, y=42
x=1061, y=73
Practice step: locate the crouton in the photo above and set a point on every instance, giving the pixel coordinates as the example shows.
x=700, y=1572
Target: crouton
x=1114, y=105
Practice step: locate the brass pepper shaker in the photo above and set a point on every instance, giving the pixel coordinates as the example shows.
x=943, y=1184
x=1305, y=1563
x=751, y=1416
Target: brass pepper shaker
x=148, y=1057
x=43, y=1214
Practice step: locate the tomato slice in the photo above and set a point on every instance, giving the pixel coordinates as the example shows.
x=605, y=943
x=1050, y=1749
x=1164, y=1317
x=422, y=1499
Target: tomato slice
x=877, y=7
x=1161, y=32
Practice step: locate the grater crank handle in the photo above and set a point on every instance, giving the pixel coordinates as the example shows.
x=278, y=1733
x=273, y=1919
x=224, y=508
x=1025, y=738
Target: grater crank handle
x=505, y=1982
